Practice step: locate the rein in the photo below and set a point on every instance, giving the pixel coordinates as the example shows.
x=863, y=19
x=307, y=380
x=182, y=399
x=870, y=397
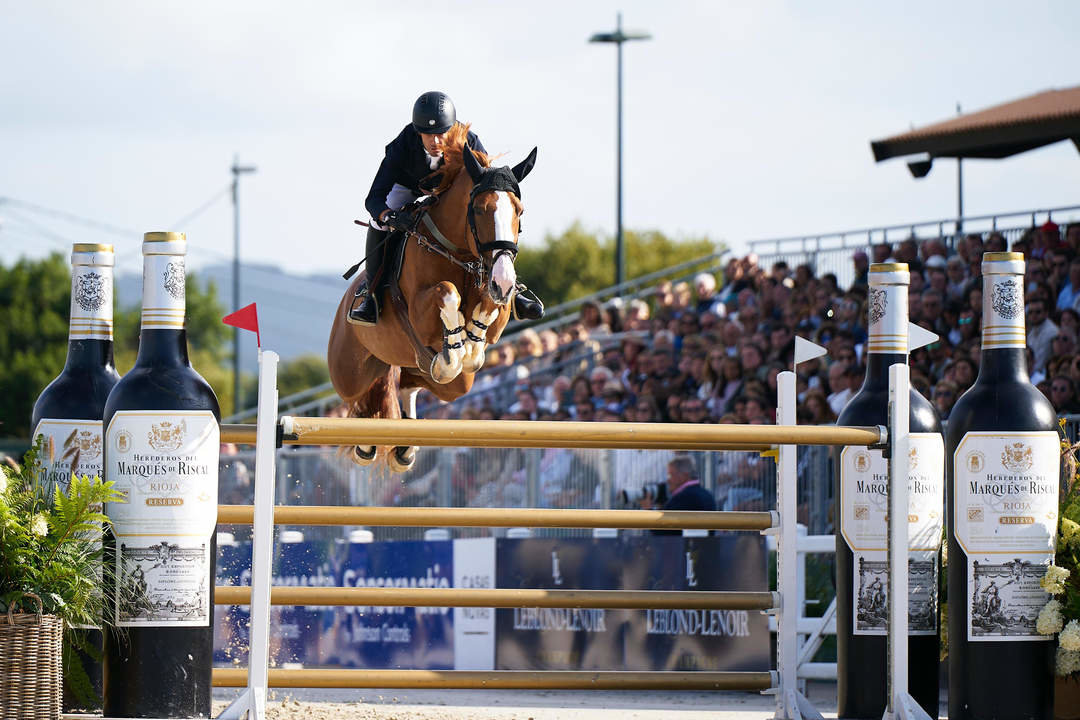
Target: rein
x=475, y=268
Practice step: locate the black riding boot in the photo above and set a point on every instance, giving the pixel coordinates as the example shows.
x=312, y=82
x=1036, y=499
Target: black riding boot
x=527, y=306
x=367, y=312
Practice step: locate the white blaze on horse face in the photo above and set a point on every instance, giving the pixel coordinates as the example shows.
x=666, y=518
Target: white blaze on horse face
x=503, y=273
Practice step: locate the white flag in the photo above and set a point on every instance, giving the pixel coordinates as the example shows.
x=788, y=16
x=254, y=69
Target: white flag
x=806, y=350
x=918, y=337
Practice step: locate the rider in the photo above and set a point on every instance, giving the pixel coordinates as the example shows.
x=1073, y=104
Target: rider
x=403, y=176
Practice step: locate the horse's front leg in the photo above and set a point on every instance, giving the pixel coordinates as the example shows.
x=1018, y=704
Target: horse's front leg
x=450, y=326
x=484, y=314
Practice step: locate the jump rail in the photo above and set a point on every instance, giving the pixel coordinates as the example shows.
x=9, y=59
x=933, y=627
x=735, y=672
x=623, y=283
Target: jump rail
x=499, y=517
x=504, y=598
x=504, y=679
x=549, y=434
x=245, y=435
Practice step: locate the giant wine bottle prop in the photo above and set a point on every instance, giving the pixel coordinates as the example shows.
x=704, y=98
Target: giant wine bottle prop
x=1003, y=478
x=161, y=449
x=68, y=412
x=862, y=502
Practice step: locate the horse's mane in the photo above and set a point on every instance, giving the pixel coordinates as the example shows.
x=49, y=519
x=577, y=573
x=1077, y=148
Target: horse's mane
x=456, y=137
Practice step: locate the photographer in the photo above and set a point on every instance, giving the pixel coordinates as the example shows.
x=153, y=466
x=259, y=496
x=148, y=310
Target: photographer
x=684, y=491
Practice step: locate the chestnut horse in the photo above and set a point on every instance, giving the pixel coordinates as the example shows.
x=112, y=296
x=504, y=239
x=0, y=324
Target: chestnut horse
x=468, y=272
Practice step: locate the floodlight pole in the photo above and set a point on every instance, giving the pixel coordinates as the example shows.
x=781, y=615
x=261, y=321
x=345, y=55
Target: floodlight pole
x=237, y=171
x=618, y=38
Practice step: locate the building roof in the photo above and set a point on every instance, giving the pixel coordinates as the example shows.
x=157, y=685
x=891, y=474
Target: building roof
x=996, y=132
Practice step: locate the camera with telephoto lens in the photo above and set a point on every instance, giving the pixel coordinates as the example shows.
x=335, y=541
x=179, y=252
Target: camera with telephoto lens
x=657, y=492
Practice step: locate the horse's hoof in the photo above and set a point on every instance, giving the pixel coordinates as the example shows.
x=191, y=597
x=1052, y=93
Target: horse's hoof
x=443, y=372
x=401, y=458
x=364, y=457
x=473, y=361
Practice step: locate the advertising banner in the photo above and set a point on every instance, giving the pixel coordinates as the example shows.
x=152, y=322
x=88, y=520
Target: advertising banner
x=654, y=639
x=393, y=637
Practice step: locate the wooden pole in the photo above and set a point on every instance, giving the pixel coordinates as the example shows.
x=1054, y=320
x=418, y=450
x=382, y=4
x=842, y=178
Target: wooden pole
x=503, y=680
x=541, y=433
x=503, y=598
x=501, y=517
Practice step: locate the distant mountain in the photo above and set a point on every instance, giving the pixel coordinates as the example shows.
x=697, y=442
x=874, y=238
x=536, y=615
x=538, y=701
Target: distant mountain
x=295, y=311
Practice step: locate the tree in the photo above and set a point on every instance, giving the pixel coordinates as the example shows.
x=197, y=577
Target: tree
x=35, y=299
x=301, y=373
x=578, y=262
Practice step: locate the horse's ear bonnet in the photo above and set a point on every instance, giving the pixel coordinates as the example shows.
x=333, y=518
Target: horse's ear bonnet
x=524, y=167
x=472, y=166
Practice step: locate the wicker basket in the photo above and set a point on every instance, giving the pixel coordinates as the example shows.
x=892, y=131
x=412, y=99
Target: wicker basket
x=30, y=664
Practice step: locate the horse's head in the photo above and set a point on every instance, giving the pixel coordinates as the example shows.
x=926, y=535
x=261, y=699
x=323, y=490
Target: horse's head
x=494, y=218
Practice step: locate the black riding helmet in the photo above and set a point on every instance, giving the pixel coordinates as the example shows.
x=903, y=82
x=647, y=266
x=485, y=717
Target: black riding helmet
x=433, y=113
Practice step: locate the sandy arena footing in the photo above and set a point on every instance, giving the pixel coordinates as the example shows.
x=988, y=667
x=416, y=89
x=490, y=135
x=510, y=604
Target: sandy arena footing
x=526, y=704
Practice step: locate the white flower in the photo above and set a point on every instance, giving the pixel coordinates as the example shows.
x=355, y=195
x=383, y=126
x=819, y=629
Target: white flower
x=1070, y=636
x=1054, y=580
x=3, y=482
x=39, y=526
x=1068, y=661
x=1070, y=531
x=1050, y=620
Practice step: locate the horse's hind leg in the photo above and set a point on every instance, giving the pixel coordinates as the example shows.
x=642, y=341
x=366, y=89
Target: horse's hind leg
x=380, y=401
x=402, y=457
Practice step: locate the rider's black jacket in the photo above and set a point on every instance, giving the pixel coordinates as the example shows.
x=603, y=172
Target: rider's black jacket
x=406, y=164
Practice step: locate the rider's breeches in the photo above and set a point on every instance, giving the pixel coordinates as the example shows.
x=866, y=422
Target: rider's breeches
x=398, y=197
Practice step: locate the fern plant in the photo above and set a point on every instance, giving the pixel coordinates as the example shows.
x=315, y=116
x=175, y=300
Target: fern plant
x=50, y=545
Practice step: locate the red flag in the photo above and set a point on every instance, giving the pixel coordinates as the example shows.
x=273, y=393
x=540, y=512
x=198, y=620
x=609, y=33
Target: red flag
x=246, y=318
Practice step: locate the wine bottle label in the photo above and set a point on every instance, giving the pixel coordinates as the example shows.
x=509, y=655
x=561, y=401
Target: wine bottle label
x=91, y=302
x=1006, y=512
x=164, y=291
x=864, y=525
x=166, y=465
x=888, y=317
x=1003, y=312
x=71, y=447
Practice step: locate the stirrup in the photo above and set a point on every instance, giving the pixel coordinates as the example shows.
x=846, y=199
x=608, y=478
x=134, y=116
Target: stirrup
x=532, y=307
x=354, y=317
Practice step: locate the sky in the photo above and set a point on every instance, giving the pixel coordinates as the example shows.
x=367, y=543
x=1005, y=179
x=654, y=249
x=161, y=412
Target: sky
x=741, y=120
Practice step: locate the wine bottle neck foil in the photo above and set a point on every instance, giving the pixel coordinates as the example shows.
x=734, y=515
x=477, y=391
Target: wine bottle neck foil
x=888, y=309
x=1004, y=334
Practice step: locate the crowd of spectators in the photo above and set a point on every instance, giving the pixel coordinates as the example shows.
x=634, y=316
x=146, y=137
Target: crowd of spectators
x=710, y=351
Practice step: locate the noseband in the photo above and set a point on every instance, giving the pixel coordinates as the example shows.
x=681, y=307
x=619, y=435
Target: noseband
x=499, y=179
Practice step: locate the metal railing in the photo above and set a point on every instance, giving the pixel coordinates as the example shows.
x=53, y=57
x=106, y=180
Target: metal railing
x=831, y=251
x=628, y=290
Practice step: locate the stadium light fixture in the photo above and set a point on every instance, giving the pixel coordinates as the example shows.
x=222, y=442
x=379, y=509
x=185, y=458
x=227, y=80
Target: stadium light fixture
x=618, y=38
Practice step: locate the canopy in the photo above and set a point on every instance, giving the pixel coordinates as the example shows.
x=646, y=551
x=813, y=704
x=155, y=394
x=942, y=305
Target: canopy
x=996, y=132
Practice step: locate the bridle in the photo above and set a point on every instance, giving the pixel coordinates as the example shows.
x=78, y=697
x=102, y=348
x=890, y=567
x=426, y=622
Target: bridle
x=499, y=180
